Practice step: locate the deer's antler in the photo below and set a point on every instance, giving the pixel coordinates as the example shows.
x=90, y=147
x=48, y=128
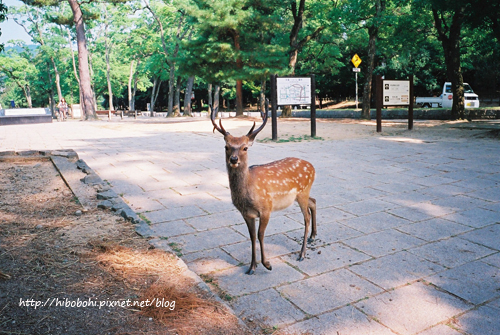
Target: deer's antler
x=212, y=117
x=252, y=133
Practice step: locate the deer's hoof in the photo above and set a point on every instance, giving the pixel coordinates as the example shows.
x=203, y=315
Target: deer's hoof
x=250, y=271
x=301, y=258
x=311, y=239
x=268, y=266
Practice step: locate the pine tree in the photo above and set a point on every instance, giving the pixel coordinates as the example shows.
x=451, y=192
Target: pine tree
x=233, y=42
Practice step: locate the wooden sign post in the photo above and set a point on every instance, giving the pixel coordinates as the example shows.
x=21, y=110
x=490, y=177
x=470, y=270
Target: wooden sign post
x=292, y=91
x=393, y=93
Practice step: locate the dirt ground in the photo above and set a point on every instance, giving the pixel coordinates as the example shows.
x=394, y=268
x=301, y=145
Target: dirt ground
x=53, y=257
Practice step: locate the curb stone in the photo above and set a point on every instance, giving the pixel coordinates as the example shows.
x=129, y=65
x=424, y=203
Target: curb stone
x=112, y=200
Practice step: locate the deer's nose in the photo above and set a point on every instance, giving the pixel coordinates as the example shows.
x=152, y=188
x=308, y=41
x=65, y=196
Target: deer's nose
x=233, y=159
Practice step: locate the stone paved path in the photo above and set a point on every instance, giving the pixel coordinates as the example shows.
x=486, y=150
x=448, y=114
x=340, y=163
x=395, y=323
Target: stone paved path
x=408, y=229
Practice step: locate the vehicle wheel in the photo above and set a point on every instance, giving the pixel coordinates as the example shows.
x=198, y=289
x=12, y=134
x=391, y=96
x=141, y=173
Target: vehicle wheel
x=426, y=106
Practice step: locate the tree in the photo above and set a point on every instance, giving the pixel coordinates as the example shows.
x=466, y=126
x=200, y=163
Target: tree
x=21, y=71
x=449, y=19
x=3, y=11
x=228, y=46
x=297, y=44
x=182, y=28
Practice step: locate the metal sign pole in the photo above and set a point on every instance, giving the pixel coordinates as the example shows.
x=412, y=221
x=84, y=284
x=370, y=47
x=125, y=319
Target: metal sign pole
x=356, y=89
x=378, y=100
x=313, y=106
x=410, y=106
x=274, y=103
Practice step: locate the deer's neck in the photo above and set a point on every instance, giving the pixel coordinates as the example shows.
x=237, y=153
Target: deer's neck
x=239, y=184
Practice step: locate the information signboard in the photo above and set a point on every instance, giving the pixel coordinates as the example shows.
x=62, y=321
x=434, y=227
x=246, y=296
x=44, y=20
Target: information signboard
x=396, y=92
x=293, y=90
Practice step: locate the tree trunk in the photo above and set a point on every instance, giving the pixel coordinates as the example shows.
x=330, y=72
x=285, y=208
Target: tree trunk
x=367, y=90
x=262, y=98
x=177, y=98
x=216, y=97
x=372, y=48
x=91, y=69
x=73, y=57
x=83, y=65
x=187, y=96
x=107, y=51
x=51, y=92
x=451, y=47
x=210, y=99
x=130, y=77
x=58, y=79
x=171, y=91
x=154, y=93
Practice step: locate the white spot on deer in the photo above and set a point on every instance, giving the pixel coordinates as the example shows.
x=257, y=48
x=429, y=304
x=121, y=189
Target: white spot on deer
x=305, y=168
x=300, y=174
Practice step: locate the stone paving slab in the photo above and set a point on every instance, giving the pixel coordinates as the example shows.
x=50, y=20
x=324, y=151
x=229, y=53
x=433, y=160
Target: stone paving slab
x=413, y=308
x=211, y=260
x=339, y=287
x=408, y=226
x=434, y=229
x=487, y=236
x=208, y=239
x=275, y=245
x=269, y=307
x=375, y=222
x=452, y=252
x=235, y=282
x=396, y=270
x=476, y=217
x=476, y=282
x=346, y=321
x=384, y=242
x=484, y=320
x=492, y=260
x=326, y=258
x=327, y=233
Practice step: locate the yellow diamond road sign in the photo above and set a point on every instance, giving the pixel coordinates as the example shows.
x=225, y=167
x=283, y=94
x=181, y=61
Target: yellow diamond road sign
x=356, y=60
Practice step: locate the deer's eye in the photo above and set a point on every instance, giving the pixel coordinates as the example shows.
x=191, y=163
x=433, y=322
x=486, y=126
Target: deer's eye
x=245, y=148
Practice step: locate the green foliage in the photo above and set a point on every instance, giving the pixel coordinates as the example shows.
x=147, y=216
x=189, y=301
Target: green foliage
x=232, y=44
x=205, y=33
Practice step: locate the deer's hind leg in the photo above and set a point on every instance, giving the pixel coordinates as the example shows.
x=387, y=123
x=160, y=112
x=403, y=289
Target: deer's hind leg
x=304, y=202
x=263, y=221
x=312, y=210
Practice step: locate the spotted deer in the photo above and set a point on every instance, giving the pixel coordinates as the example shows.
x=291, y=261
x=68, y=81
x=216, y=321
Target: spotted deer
x=258, y=190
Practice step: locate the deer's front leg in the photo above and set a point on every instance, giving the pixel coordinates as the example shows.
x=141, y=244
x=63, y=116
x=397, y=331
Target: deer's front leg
x=263, y=221
x=251, y=230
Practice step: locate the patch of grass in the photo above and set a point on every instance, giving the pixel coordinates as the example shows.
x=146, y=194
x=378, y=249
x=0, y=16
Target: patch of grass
x=292, y=139
x=220, y=292
x=75, y=200
x=175, y=247
x=144, y=218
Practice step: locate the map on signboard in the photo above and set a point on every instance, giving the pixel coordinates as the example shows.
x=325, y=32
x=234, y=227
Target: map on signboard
x=396, y=92
x=294, y=91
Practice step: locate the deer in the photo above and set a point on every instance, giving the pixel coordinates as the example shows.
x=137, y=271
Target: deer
x=259, y=190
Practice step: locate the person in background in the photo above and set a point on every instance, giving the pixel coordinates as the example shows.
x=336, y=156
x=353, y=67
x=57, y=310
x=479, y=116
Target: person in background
x=63, y=109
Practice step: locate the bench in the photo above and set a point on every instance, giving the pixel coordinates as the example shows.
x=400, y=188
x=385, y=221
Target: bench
x=108, y=113
x=120, y=113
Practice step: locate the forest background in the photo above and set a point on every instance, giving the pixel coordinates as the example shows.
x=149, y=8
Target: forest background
x=181, y=55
